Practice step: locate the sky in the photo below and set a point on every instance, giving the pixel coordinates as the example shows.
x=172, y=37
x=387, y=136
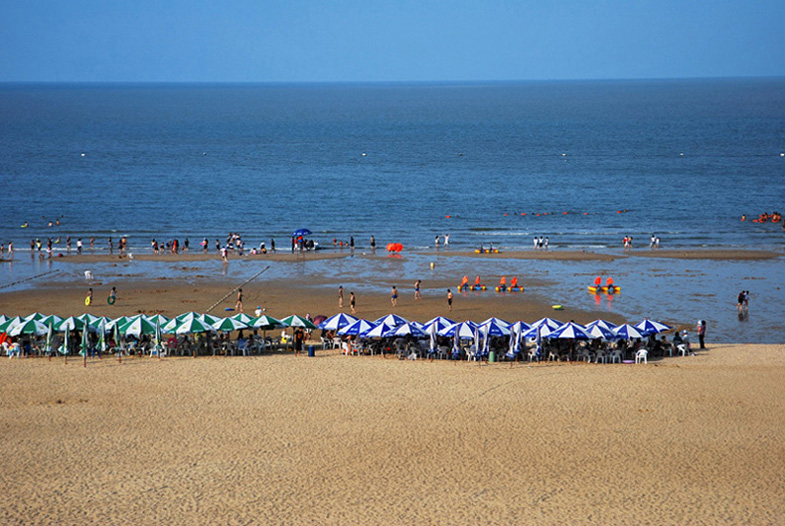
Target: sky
x=387, y=41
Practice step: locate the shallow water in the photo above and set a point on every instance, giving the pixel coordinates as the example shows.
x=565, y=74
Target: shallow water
x=673, y=291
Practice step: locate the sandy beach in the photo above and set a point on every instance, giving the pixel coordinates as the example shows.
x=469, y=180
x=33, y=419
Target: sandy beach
x=276, y=439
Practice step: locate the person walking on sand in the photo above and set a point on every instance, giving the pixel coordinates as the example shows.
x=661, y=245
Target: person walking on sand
x=449, y=299
x=112, y=296
x=702, y=333
x=394, y=296
x=238, y=306
x=89, y=299
x=340, y=297
x=417, y=290
x=352, y=302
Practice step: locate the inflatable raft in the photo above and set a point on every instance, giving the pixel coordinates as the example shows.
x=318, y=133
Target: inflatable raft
x=596, y=290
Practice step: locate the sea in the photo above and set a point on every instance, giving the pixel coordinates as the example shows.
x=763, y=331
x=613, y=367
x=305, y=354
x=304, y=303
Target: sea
x=584, y=163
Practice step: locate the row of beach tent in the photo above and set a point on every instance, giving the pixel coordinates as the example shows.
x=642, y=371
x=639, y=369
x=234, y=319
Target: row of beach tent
x=390, y=326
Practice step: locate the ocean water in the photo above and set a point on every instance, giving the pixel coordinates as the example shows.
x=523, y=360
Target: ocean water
x=681, y=159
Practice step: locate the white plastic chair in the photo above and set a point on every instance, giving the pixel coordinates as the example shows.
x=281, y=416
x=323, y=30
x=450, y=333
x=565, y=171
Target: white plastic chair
x=642, y=356
x=616, y=356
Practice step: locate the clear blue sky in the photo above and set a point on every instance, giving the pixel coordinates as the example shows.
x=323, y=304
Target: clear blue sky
x=405, y=40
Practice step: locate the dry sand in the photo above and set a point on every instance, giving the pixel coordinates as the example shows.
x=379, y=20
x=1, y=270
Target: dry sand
x=345, y=440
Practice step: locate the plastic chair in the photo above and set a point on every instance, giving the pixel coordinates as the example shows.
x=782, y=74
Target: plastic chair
x=616, y=356
x=642, y=356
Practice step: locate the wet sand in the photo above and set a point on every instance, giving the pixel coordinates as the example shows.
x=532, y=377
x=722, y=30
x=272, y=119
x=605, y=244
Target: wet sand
x=276, y=439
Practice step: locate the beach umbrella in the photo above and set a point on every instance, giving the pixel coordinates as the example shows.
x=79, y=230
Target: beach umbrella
x=407, y=329
x=318, y=319
x=3, y=318
x=465, y=330
x=70, y=323
x=158, y=318
x=229, y=325
x=440, y=322
x=66, y=338
x=359, y=327
x=49, y=333
x=298, y=321
x=85, y=343
x=102, y=335
x=570, y=331
x=171, y=326
x=266, y=323
x=393, y=320
x=87, y=318
x=336, y=322
x=53, y=318
x=301, y=232
x=627, y=332
x=598, y=331
x=34, y=316
x=549, y=323
x=158, y=338
x=112, y=323
x=28, y=327
x=378, y=331
x=493, y=327
x=9, y=323
x=497, y=321
x=209, y=318
x=602, y=323
x=101, y=323
x=185, y=315
x=515, y=339
x=647, y=327
x=520, y=327
x=431, y=331
x=193, y=325
x=243, y=317
x=137, y=327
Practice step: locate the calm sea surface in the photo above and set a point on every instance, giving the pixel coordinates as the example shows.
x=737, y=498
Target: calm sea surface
x=395, y=160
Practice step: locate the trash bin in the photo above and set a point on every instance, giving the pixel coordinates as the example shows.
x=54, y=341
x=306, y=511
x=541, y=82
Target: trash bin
x=492, y=356
x=311, y=351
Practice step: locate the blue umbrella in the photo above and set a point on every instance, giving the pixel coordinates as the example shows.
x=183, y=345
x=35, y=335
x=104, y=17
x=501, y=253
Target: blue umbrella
x=627, y=332
x=392, y=320
x=407, y=329
x=570, y=331
x=336, y=322
x=301, y=232
x=465, y=330
x=648, y=326
x=493, y=327
x=595, y=330
x=359, y=327
x=377, y=332
x=439, y=321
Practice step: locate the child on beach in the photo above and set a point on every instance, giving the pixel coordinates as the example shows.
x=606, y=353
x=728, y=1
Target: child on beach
x=238, y=306
x=394, y=296
x=417, y=290
x=449, y=299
